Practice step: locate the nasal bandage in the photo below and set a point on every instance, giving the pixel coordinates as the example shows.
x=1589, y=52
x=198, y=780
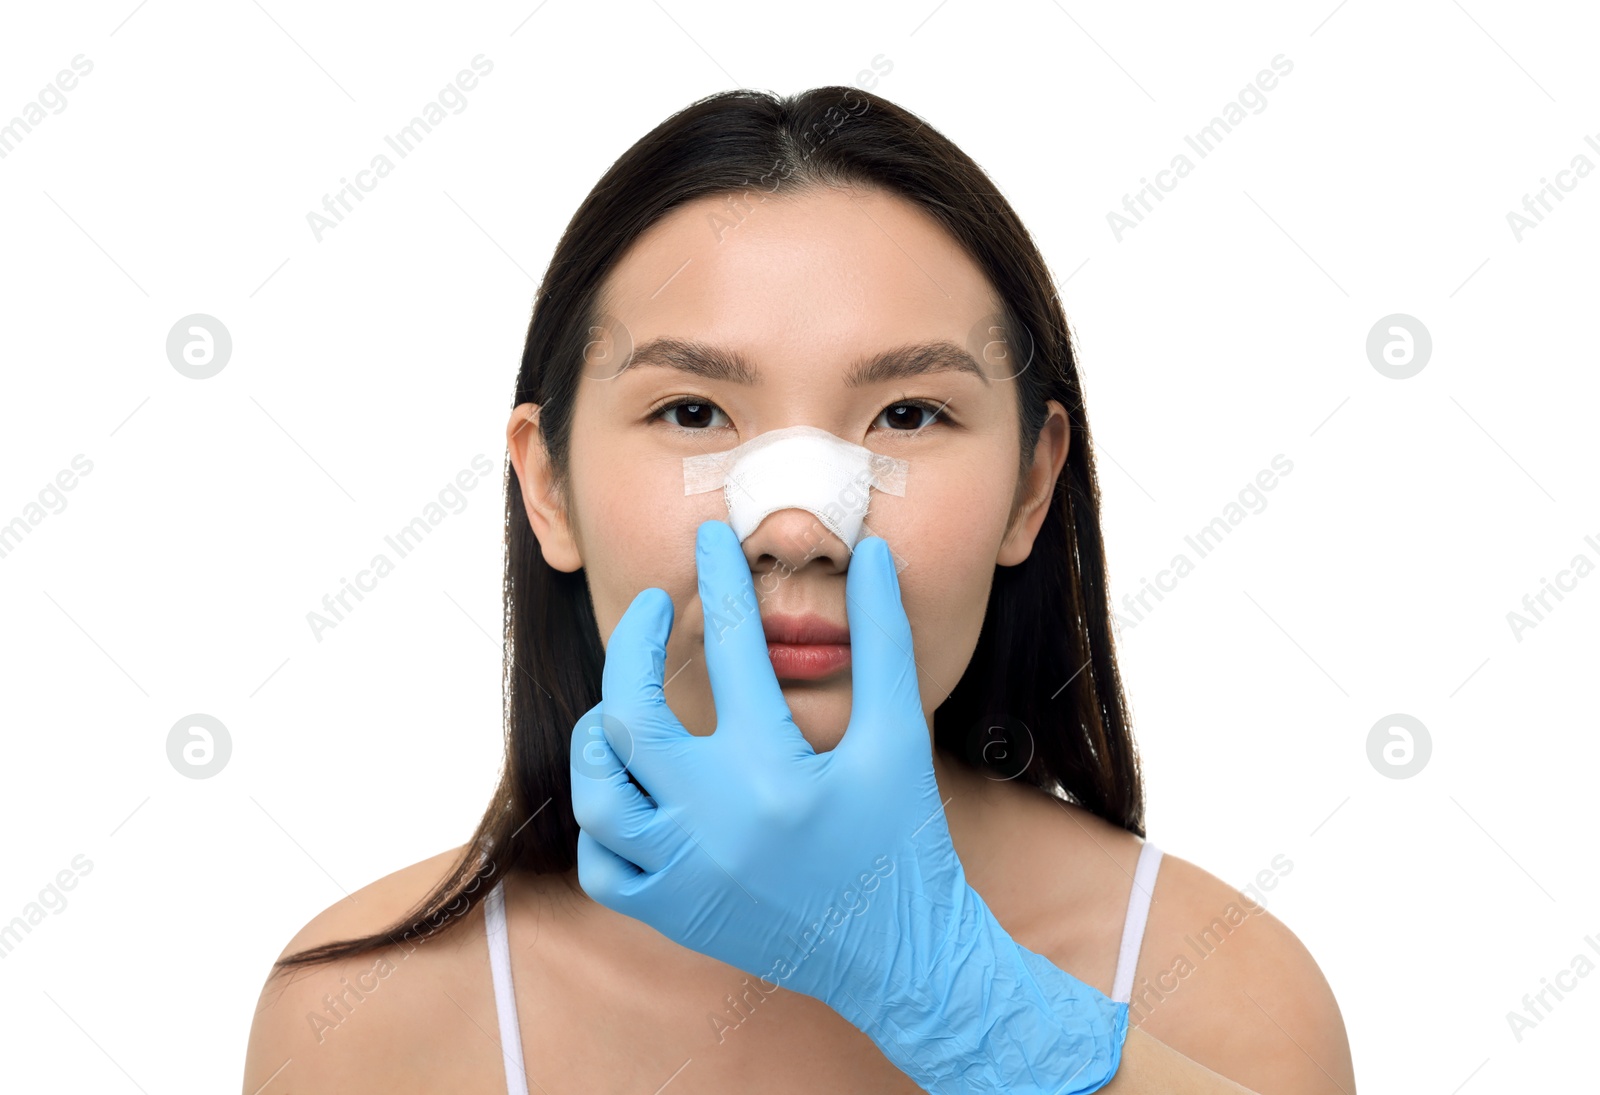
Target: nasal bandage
x=798, y=467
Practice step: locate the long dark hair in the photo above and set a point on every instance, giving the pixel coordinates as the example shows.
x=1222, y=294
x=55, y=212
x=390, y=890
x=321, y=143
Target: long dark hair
x=1041, y=699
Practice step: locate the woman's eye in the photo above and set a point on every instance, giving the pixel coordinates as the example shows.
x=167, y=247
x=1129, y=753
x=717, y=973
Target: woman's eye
x=908, y=416
x=690, y=414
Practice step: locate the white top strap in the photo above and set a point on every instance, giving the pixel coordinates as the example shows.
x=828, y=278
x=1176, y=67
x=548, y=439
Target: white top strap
x=505, y=1001
x=1144, y=883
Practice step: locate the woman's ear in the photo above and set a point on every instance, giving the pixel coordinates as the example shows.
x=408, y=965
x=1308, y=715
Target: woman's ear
x=1038, y=486
x=546, y=511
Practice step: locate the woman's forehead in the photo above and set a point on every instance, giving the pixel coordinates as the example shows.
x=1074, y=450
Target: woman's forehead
x=824, y=271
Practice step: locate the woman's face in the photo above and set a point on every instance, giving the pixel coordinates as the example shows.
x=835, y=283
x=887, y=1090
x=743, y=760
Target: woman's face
x=801, y=287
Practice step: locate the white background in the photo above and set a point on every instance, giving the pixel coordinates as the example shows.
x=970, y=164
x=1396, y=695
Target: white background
x=369, y=368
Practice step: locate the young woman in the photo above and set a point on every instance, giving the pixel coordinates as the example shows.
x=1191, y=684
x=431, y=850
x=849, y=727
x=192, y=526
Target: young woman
x=757, y=263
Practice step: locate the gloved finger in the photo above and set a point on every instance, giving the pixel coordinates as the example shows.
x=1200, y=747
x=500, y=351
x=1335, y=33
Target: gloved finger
x=883, y=669
x=604, y=875
x=744, y=687
x=633, y=693
x=606, y=802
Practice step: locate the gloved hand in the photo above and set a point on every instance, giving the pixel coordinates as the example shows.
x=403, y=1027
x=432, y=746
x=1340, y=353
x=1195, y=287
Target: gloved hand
x=829, y=874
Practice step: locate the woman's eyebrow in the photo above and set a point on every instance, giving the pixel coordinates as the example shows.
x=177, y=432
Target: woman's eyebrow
x=713, y=362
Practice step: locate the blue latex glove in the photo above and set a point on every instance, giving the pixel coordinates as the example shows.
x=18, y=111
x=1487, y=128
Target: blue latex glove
x=829, y=874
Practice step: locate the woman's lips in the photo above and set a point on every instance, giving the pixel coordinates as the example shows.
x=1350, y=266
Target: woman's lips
x=805, y=646
x=808, y=661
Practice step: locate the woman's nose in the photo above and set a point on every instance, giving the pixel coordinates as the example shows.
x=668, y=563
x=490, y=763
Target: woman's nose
x=788, y=539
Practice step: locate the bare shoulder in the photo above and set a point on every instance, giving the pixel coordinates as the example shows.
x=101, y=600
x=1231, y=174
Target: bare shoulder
x=373, y=1021
x=1224, y=982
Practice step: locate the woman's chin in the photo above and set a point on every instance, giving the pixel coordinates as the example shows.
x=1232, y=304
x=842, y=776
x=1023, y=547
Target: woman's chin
x=821, y=717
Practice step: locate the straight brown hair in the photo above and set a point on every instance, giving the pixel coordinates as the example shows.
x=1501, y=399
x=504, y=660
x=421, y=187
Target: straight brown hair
x=1041, y=700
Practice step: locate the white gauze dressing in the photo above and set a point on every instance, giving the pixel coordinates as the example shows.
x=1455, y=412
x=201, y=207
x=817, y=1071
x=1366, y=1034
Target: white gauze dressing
x=797, y=467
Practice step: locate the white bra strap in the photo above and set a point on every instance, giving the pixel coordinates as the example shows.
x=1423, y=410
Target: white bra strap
x=1144, y=882
x=505, y=1000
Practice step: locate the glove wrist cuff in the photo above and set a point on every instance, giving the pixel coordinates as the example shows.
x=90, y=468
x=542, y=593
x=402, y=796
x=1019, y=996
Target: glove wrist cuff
x=993, y=1016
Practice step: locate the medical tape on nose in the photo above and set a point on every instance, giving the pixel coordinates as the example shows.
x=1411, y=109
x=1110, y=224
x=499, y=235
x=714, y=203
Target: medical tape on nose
x=797, y=467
